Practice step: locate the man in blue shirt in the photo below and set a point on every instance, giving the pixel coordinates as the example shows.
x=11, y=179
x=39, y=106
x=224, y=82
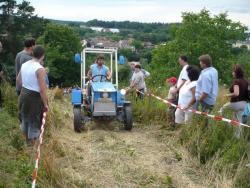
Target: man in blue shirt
x=99, y=72
x=207, y=85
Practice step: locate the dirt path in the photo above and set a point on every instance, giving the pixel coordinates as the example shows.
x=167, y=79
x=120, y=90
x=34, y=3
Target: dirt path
x=107, y=156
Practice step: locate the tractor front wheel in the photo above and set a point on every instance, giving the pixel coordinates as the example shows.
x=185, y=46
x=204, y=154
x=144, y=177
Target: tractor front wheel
x=77, y=119
x=128, y=118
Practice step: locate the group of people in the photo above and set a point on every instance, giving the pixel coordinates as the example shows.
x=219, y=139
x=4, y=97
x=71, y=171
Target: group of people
x=31, y=86
x=195, y=89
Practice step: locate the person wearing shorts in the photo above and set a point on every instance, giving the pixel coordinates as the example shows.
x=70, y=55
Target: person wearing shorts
x=33, y=99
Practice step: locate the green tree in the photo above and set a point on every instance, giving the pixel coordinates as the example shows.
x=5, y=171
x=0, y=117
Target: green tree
x=199, y=34
x=137, y=44
x=61, y=43
x=17, y=21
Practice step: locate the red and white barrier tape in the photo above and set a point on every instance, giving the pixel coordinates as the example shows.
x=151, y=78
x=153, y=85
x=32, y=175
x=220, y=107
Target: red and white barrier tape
x=214, y=117
x=38, y=151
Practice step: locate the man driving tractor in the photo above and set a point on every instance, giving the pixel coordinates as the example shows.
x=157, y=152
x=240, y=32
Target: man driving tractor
x=98, y=71
x=99, y=97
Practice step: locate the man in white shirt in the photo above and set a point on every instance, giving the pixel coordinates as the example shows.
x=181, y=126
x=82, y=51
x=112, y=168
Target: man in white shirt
x=183, y=77
x=132, y=66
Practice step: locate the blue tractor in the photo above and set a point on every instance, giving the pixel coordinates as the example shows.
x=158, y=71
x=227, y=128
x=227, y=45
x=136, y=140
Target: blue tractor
x=102, y=99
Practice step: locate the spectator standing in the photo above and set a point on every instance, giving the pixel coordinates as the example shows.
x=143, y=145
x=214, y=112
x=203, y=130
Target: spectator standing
x=132, y=66
x=238, y=97
x=24, y=56
x=207, y=85
x=146, y=74
x=33, y=99
x=172, y=97
x=187, y=96
x=183, y=77
x=138, y=82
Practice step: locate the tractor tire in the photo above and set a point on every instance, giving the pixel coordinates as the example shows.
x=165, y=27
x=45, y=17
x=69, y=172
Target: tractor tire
x=77, y=119
x=128, y=118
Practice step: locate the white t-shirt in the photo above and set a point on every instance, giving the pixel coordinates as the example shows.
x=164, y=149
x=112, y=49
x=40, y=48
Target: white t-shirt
x=29, y=76
x=185, y=94
x=183, y=76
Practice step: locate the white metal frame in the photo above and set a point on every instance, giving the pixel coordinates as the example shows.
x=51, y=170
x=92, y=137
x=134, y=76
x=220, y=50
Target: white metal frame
x=111, y=51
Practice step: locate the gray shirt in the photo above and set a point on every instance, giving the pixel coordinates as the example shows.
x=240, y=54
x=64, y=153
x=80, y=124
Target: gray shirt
x=21, y=58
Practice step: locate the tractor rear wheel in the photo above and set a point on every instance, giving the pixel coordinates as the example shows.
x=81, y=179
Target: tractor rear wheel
x=77, y=119
x=128, y=118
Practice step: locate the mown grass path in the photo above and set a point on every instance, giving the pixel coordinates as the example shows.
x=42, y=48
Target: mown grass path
x=105, y=155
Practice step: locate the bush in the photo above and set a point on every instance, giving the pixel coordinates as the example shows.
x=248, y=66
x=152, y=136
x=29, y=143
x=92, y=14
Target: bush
x=216, y=145
x=149, y=110
x=124, y=72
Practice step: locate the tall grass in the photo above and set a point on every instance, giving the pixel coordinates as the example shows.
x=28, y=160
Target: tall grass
x=10, y=98
x=50, y=174
x=17, y=161
x=215, y=146
x=150, y=111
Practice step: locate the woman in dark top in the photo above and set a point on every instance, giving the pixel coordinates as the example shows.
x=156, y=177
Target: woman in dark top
x=238, y=96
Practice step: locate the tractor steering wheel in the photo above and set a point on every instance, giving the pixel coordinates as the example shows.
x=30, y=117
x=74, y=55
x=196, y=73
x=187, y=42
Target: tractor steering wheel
x=101, y=75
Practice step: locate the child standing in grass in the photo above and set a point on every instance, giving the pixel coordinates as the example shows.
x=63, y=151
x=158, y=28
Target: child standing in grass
x=172, y=97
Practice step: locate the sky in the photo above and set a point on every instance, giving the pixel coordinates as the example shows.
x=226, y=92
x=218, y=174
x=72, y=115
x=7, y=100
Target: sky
x=165, y=11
